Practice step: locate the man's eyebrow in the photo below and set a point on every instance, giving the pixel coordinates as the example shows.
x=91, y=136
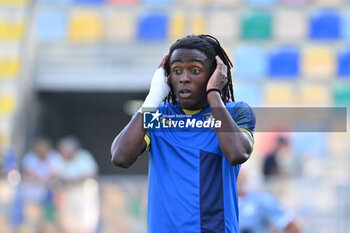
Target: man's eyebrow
x=181, y=61
x=174, y=61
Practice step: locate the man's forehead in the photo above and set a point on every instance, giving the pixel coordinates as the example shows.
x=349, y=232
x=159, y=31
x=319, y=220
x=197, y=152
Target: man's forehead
x=187, y=56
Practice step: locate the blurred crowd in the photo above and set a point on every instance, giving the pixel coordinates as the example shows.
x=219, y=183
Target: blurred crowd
x=50, y=189
x=54, y=188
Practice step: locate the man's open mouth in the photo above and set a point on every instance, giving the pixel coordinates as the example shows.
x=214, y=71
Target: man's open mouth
x=185, y=93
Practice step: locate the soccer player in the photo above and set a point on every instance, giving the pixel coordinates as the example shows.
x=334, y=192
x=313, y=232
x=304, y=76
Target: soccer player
x=191, y=171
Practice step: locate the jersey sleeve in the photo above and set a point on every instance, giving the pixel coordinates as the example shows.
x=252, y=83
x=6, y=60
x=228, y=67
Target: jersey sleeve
x=275, y=214
x=244, y=117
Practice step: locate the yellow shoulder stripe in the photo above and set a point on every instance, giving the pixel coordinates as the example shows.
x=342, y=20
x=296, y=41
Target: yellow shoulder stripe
x=147, y=140
x=248, y=132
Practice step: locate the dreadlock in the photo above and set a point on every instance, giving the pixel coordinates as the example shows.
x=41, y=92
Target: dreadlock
x=211, y=47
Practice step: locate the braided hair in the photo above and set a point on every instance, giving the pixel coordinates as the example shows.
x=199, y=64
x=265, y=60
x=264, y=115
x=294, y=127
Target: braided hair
x=211, y=47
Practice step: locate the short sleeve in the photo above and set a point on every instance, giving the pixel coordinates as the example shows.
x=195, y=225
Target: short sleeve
x=275, y=214
x=244, y=117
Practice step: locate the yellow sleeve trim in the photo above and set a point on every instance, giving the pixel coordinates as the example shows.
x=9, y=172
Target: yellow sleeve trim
x=248, y=132
x=147, y=140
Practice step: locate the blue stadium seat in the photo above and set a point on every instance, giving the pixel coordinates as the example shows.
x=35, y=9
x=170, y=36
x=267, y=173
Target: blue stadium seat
x=325, y=25
x=51, y=26
x=261, y=2
x=250, y=62
x=55, y=1
x=284, y=63
x=249, y=93
x=311, y=144
x=344, y=63
x=296, y=2
x=346, y=25
x=157, y=2
x=153, y=27
x=124, y=2
x=89, y=1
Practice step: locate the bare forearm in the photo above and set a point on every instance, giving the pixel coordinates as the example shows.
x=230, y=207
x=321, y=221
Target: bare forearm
x=234, y=143
x=129, y=144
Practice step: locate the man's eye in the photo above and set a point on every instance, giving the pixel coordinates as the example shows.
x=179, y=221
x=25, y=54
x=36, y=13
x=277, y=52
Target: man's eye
x=177, y=71
x=196, y=71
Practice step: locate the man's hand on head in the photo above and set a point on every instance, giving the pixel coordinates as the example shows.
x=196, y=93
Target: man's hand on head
x=159, y=88
x=164, y=60
x=218, y=80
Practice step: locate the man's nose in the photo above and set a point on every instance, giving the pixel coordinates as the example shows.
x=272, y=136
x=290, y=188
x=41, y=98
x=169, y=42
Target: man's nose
x=185, y=77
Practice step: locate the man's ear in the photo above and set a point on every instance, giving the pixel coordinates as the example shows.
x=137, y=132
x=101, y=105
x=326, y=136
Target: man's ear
x=168, y=80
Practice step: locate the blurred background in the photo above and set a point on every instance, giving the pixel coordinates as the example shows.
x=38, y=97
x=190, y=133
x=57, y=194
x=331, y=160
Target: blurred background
x=80, y=68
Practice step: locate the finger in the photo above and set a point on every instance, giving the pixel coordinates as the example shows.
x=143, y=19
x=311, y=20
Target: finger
x=221, y=65
x=165, y=58
x=218, y=60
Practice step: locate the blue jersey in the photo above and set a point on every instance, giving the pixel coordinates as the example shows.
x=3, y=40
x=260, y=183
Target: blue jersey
x=259, y=210
x=190, y=180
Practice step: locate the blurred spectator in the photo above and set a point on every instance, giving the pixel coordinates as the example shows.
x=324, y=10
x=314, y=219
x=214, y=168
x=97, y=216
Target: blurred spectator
x=259, y=212
x=10, y=162
x=9, y=179
x=271, y=166
x=75, y=164
x=36, y=192
x=78, y=203
x=38, y=169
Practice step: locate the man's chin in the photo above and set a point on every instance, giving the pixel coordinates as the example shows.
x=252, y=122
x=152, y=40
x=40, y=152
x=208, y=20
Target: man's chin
x=186, y=104
x=190, y=105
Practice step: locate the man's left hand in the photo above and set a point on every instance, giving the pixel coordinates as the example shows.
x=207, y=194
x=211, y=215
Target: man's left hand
x=219, y=78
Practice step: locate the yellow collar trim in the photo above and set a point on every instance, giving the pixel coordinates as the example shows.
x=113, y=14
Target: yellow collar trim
x=191, y=112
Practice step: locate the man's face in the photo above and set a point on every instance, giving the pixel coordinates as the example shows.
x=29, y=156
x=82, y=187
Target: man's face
x=189, y=75
x=67, y=151
x=42, y=150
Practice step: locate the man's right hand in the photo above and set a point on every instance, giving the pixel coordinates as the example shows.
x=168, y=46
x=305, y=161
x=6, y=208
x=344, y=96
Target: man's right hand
x=159, y=88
